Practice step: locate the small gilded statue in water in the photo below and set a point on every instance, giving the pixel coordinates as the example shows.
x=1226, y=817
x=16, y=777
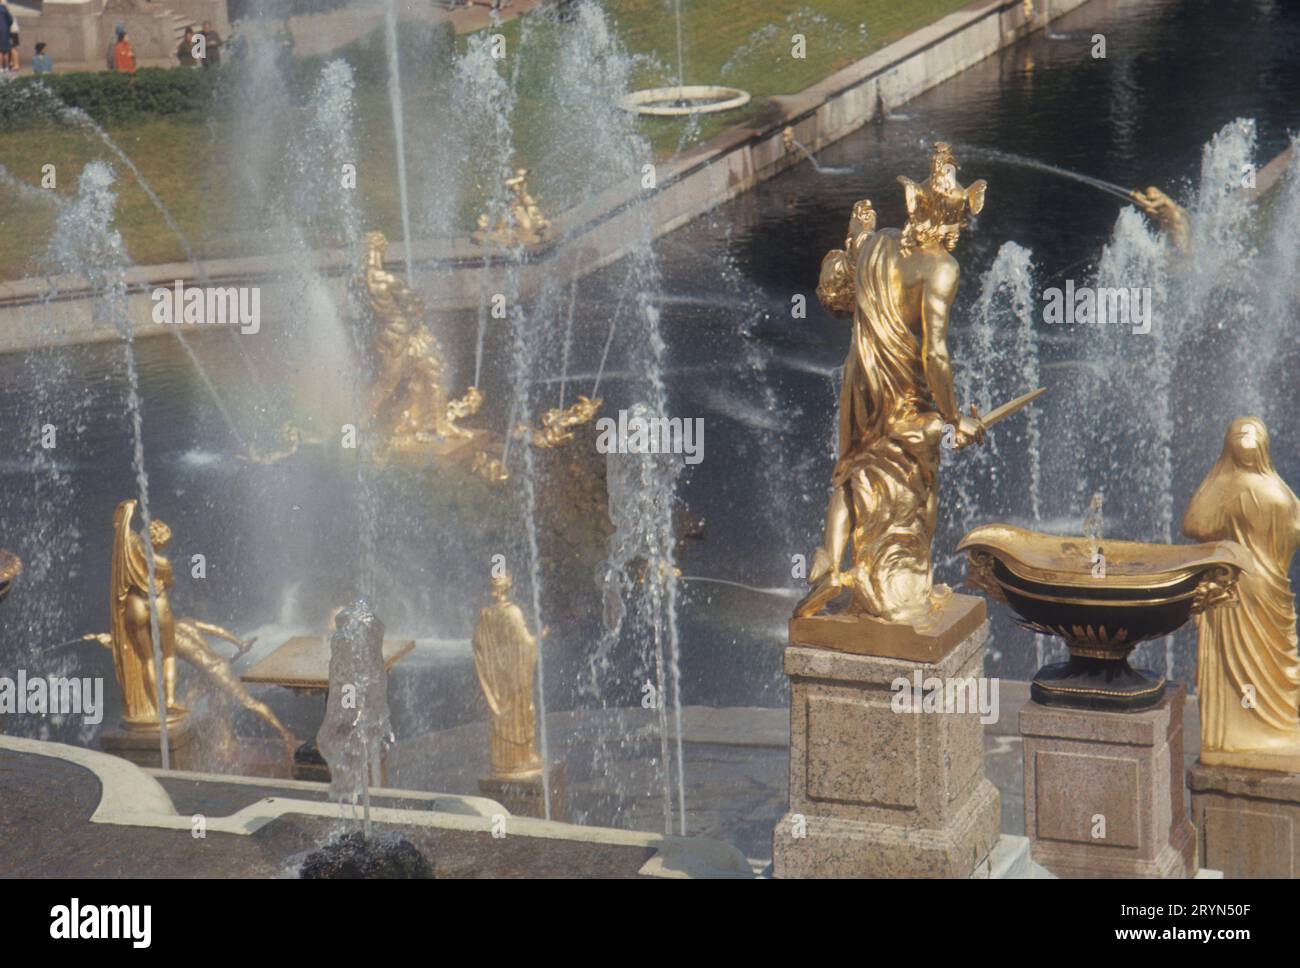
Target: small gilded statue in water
x=1247, y=670
x=898, y=404
x=505, y=658
x=557, y=424
x=524, y=225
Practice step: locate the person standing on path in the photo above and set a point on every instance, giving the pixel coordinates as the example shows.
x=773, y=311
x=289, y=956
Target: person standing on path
x=123, y=54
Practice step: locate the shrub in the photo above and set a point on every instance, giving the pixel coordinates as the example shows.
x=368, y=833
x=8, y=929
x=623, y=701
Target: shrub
x=190, y=95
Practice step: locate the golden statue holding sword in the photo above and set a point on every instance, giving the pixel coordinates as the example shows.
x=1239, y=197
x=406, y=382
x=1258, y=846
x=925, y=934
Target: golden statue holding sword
x=898, y=405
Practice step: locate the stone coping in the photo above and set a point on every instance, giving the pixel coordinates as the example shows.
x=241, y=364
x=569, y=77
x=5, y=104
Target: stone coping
x=690, y=184
x=130, y=796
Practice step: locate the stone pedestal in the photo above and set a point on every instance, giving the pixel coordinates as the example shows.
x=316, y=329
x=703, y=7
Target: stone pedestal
x=1247, y=821
x=876, y=792
x=524, y=796
x=142, y=746
x=1104, y=791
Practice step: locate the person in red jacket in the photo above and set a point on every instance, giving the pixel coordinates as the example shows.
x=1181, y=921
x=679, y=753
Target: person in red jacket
x=123, y=54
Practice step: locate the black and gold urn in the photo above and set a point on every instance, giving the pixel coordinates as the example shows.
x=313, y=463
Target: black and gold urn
x=1102, y=598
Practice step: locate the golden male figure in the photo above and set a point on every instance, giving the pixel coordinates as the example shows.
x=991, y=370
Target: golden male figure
x=1247, y=671
x=409, y=395
x=897, y=402
x=130, y=624
x=505, y=658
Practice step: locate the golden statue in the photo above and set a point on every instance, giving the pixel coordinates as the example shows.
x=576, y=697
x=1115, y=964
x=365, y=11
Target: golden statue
x=1247, y=672
x=11, y=566
x=408, y=399
x=557, y=424
x=192, y=646
x=897, y=402
x=131, y=625
x=491, y=469
x=505, y=658
x=524, y=225
x=1168, y=214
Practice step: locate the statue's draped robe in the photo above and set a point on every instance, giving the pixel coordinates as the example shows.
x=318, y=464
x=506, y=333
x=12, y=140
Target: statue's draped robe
x=1250, y=650
x=889, y=435
x=130, y=627
x=505, y=658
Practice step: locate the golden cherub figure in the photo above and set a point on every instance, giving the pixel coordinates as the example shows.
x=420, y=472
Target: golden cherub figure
x=557, y=424
x=524, y=225
x=897, y=402
x=408, y=398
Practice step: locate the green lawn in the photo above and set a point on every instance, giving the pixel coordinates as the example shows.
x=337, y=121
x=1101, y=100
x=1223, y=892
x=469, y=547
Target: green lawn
x=193, y=167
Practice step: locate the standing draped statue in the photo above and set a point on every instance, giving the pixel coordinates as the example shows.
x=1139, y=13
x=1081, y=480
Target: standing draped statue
x=1248, y=673
x=505, y=658
x=131, y=629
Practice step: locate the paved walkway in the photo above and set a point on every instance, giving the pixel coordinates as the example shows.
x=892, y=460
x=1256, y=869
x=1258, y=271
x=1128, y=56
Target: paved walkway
x=320, y=33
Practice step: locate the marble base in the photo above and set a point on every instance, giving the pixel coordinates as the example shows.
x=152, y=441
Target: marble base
x=1247, y=821
x=879, y=793
x=142, y=746
x=1104, y=791
x=525, y=797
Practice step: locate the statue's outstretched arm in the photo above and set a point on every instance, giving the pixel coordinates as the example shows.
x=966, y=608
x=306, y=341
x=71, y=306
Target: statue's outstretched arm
x=937, y=298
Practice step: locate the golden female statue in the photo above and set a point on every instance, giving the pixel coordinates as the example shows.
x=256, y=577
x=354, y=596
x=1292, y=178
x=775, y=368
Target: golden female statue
x=505, y=658
x=130, y=624
x=1248, y=674
x=897, y=403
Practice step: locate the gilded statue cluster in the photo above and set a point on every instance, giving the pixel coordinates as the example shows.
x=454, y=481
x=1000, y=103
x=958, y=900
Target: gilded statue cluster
x=137, y=575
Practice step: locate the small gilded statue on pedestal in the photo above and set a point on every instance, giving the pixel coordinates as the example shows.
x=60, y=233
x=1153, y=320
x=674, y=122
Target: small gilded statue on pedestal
x=505, y=658
x=1248, y=673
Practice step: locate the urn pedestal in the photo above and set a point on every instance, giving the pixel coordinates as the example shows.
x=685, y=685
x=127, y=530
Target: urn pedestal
x=876, y=792
x=1104, y=790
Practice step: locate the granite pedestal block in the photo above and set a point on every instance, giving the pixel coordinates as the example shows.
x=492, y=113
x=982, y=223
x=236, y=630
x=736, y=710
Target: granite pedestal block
x=1247, y=821
x=1104, y=791
x=525, y=797
x=876, y=792
x=142, y=746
